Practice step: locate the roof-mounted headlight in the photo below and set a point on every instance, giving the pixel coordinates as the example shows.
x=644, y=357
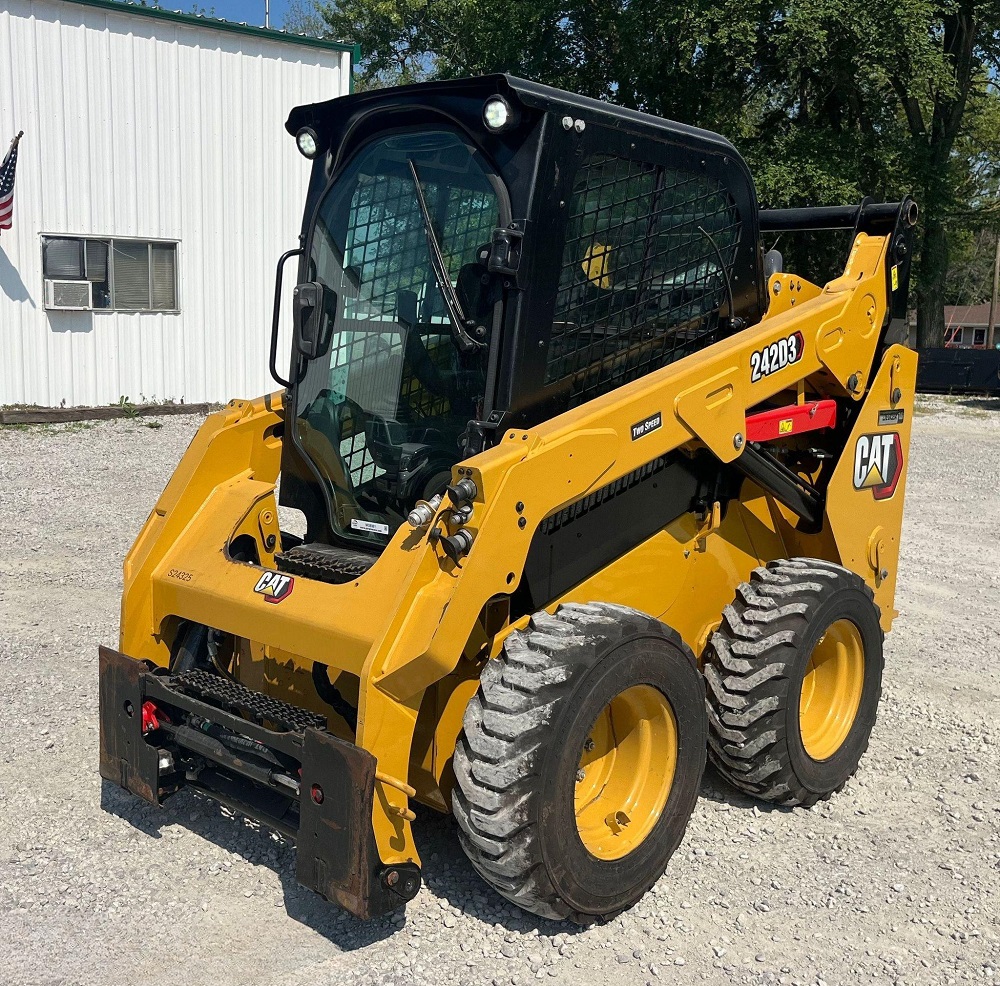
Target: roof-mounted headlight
x=497, y=114
x=308, y=143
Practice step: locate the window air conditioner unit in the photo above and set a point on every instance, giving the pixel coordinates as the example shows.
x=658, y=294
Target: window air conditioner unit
x=68, y=296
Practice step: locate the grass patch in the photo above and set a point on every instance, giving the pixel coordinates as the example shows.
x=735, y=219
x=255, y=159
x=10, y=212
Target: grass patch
x=51, y=427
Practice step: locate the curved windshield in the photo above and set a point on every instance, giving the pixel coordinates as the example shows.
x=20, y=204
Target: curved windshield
x=399, y=237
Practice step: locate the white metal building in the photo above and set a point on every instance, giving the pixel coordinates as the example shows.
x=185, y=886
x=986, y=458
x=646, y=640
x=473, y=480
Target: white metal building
x=156, y=189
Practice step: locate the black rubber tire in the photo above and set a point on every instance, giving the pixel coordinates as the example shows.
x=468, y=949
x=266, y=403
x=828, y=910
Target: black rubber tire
x=517, y=757
x=754, y=666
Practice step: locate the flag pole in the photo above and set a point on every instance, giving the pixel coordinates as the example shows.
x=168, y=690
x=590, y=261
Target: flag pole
x=15, y=141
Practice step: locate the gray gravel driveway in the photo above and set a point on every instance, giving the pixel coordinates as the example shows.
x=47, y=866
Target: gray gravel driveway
x=894, y=880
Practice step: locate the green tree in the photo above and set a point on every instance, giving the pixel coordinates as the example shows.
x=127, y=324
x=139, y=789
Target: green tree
x=970, y=270
x=884, y=99
x=829, y=99
x=304, y=17
x=939, y=58
x=659, y=56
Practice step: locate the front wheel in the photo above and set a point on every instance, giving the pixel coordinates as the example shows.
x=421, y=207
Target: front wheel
x=580, y=760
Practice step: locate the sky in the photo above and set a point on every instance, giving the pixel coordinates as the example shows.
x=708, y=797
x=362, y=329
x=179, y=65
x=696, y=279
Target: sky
x=249, y=11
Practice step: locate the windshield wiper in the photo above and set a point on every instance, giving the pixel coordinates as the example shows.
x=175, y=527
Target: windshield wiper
x=459, y=323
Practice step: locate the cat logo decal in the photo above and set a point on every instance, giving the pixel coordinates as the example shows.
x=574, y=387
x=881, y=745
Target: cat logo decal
x=274, y=586
x=878, y=464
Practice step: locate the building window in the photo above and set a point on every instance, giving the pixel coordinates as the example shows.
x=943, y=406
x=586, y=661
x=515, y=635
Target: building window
x=640, y=284
x=979, y=337
x=125, y=275
x=953, y=335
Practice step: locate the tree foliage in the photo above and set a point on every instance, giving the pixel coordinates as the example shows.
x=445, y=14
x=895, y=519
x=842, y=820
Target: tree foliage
x=829, y=100
x=304, y=17
x=972, y=256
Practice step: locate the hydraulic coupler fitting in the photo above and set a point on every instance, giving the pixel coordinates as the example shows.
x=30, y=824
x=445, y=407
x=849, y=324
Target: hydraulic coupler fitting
x=423, y=513
x=463, y=491
x=457, y=545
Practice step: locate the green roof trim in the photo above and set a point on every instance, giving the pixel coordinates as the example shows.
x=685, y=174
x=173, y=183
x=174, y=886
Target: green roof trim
x=214, y=24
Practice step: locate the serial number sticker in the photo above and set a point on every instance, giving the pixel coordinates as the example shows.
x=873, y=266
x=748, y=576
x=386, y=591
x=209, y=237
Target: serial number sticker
x=777, y=356
x=647, y=425
x=890, y=417
x=368, y=525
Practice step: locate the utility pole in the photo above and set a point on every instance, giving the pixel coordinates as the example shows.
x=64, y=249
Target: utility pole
x=267, y=23
x=993, y=299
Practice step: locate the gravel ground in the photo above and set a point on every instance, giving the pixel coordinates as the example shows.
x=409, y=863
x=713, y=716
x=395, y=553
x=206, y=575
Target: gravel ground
x=895, y=879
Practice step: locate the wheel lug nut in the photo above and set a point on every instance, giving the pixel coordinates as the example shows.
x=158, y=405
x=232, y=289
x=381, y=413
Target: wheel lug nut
x=588, y=745
x=581, y=774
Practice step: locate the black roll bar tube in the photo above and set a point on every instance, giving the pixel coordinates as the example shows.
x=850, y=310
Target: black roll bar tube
x=874, y=217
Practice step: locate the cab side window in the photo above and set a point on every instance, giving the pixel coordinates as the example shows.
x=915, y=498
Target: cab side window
x=640, y=284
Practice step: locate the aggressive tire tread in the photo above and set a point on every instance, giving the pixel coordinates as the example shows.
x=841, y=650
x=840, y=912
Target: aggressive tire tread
x=499, y=754
x=748, y=668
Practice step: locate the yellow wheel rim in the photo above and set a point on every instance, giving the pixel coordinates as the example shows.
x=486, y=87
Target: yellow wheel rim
x=831, y=690
x=625, y=772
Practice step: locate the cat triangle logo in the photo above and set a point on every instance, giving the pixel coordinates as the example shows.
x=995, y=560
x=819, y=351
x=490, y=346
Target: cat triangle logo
x=878, y=464
x=874, y=479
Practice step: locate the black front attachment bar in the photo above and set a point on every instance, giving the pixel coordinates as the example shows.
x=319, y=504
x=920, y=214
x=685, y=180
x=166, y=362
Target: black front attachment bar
x=329, y=815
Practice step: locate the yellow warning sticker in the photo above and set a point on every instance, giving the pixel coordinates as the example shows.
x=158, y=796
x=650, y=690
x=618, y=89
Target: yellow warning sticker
x=785, y=427
x=895, y=277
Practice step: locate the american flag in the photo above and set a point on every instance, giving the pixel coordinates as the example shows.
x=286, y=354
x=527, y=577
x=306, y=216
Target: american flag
x=7, y=170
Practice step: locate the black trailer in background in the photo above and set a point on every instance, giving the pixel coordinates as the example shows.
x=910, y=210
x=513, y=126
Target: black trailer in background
x=959, y=371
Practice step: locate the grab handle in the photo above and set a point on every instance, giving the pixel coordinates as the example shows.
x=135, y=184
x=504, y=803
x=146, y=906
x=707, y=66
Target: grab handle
x=276, y=315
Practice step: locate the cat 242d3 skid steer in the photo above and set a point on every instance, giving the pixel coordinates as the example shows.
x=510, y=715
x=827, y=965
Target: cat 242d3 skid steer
x=585, y=488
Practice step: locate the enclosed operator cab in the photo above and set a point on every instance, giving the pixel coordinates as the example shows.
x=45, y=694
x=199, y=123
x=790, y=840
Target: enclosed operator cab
x=483, y=255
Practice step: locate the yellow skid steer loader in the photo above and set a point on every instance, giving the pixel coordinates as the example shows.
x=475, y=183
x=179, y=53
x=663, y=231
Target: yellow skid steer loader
x=587, y=488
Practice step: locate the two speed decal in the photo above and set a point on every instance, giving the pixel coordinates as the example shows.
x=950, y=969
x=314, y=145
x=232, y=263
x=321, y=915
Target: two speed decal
x=647, y=425
x=777, y=356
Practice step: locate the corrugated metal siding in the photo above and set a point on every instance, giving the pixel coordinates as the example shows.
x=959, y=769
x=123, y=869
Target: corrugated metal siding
x=139, y=128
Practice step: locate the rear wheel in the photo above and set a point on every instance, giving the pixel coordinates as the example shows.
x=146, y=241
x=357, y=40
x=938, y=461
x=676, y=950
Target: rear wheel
x=794, y=677
x=580, y=760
